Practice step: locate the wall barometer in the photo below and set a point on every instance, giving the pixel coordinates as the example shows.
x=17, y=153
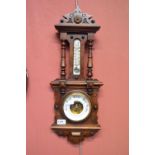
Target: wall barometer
x=76, y=90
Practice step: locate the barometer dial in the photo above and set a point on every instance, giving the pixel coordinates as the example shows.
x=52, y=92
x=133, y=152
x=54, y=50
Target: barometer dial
x=76, y=106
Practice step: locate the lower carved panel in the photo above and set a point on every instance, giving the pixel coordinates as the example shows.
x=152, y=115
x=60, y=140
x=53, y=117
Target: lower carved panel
x=75, y=134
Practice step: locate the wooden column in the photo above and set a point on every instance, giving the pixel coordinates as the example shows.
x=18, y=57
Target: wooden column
x=63, y=59
x=90, y=60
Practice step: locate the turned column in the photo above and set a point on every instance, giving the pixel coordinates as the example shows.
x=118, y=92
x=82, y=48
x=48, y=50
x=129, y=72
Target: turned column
x=63, y=59
x=90, y=60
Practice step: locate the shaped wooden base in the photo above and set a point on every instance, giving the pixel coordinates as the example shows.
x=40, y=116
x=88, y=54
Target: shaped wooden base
x=75, y=134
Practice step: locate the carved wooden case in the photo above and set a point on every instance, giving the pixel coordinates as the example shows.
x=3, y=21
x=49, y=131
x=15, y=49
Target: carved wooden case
x=81, y=26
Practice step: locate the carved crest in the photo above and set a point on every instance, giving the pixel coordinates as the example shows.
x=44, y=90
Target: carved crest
x=77, y=17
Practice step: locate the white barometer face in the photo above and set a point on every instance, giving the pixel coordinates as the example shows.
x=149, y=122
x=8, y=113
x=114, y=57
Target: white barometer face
x=76, y=106
x=76, y=57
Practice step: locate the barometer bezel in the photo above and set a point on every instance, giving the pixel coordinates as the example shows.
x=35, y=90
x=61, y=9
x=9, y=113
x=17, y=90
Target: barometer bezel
x=82, y=93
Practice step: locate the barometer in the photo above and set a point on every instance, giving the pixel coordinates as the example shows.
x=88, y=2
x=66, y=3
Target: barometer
x=76, y=91
x=76, y=106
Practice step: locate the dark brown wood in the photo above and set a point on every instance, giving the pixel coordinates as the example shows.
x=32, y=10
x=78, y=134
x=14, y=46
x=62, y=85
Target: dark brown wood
x=77, y=22
x=81, y=26
x=77, y=133
x=85, y=28
x=87, y=127
x=90, y=60
x=63, y=59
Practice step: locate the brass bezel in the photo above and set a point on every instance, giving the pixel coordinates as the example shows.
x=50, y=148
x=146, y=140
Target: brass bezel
x=77, y=92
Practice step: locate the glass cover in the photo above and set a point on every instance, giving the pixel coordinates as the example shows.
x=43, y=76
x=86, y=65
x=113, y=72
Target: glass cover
x=76, y=108
x=76, y=57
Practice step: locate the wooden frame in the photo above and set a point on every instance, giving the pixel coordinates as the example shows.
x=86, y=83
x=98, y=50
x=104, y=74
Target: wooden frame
x=76, y=25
